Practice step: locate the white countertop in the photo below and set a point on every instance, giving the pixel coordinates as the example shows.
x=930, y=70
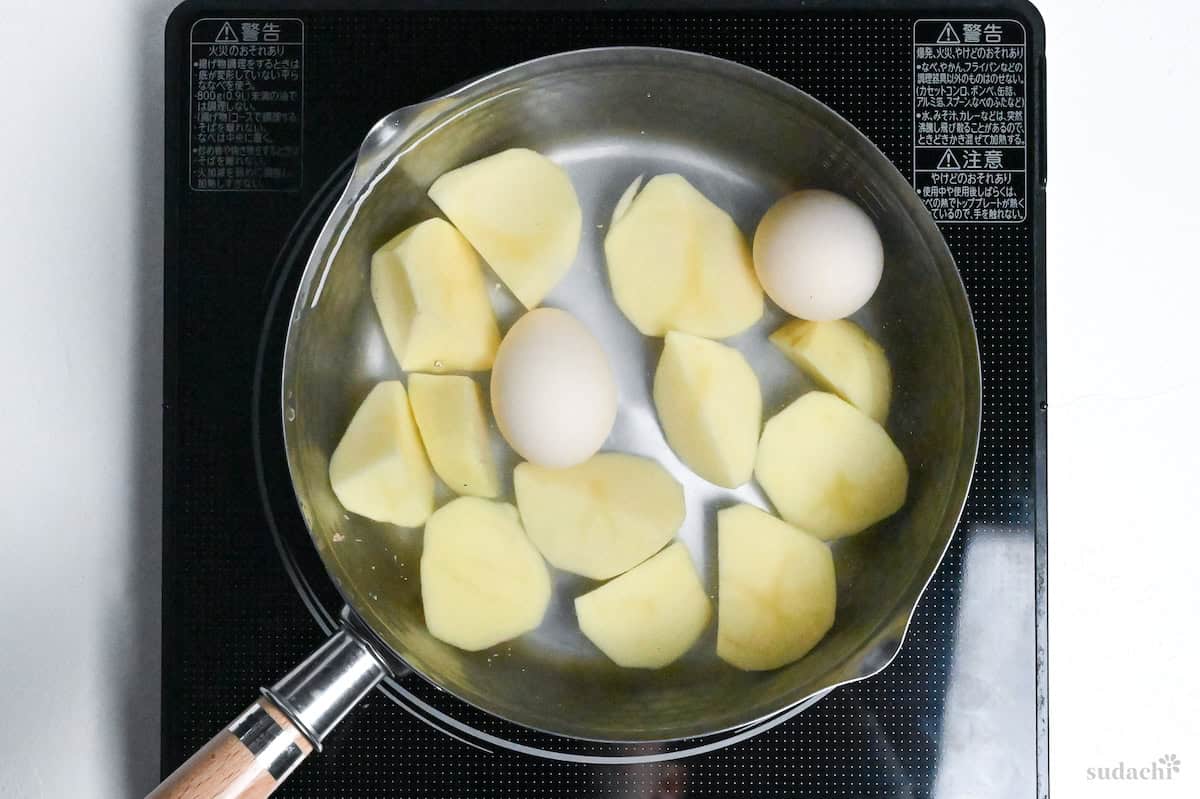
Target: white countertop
x=81, y=319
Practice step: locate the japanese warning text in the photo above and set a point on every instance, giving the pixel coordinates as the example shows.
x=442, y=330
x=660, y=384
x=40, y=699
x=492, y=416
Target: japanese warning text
x=970, y=119
x=247, y=84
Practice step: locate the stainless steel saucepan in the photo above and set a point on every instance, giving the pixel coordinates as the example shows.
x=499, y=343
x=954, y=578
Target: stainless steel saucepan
x=608, y=116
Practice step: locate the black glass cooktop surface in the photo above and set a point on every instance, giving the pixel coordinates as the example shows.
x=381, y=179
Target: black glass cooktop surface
x=266, y=104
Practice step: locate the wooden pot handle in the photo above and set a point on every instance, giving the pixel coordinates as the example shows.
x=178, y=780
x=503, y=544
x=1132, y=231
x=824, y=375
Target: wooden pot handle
x=252, y=757
x=248, y=759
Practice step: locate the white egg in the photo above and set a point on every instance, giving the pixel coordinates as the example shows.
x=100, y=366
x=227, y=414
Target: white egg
x=818, y=255
x=553, y=391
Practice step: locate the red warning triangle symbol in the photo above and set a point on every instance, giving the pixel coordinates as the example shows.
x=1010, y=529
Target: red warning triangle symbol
x=948, y=35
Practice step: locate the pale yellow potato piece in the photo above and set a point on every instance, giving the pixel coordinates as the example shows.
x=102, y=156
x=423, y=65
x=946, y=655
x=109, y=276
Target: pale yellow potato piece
x=829, y=468
x=428, y=288
x=710, y=407
x=379, y=469
x=776, y=591
x=625, y=200
x=519, y=209
x=678, y=262
x=450, y=416
x=602, y=517
x=842, y=358
x=649, y=616
x=482, y=582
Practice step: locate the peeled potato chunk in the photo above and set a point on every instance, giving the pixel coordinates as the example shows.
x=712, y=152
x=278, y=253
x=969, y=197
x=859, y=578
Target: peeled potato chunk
x=625, y=200
x=482, y=582
x=777, y=591
x=829, y=468
x=602, y=517
x=519, y=209
x=649, y=616
x=428, y=288
x=449, y=414
x=379, y=469
x=842, y=358
x=678, y=262
x=710, y=407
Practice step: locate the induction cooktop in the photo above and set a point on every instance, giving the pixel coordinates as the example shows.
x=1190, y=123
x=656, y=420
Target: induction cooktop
x=265, y=106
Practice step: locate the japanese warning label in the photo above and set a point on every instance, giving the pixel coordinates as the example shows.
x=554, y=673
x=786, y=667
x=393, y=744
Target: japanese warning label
x=247, y=85
x=969, y=119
